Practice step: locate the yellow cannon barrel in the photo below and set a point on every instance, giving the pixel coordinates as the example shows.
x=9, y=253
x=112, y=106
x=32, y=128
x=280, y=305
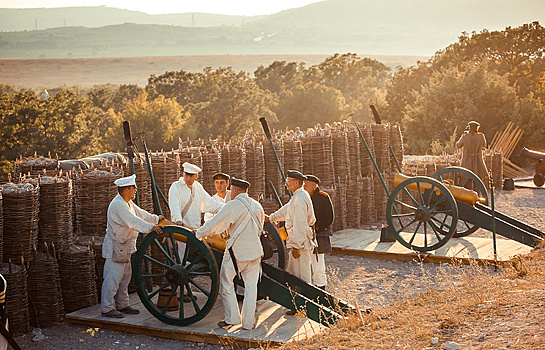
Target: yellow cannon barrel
x=217, y=242
x=460, y=193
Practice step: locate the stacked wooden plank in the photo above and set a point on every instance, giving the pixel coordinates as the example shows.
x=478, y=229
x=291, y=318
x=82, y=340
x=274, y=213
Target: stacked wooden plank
x=211, y=164
x=272, y=172
x=55, y=215
x=255, y=168
x=78, y=279
x=506, y=142
x=233, y=161
x=166, y=170
x=21, y=211
x=17, y=297
x=94, y=190
x=44, y=290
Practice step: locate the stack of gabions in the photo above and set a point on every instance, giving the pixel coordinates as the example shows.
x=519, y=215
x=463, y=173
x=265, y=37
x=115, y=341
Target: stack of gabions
x=368, y=214
x=354, y=155
x=78, y=280
x=35, y=166
x=55, y=224
x=95, y=189
x=293, y=155
x=211, y=164
x=166, y=170
x=21, y=209
x=381, y=136
x=233, y=161
x=318, y=158
x=396, y=141
x=341, y=158
x=44, y=290
x=255, y=168
x=367, y=167
x=353, y=203
x=17, y=297
x=272, y=172
x=143, y=182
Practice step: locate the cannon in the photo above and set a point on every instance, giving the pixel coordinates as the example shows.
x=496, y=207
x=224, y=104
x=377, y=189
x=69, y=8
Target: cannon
x=424, y=213
x=539, y=158
x=161, y=273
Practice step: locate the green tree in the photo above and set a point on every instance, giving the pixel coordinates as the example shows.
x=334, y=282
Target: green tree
x=160, y=119
x=279, y=76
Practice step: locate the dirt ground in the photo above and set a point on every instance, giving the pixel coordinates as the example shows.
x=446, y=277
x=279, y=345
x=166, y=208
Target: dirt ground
x=372, y=282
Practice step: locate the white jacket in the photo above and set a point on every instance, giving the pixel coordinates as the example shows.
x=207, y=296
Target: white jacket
x=125, y=221
x=208, y=216
x=298, y=214
x=243, y=229
x=178, y=196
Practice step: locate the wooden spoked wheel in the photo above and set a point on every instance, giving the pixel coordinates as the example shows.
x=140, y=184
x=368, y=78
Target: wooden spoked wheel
x=194, y=272
x=462, y=177
x=280, y=254
x=422, y=214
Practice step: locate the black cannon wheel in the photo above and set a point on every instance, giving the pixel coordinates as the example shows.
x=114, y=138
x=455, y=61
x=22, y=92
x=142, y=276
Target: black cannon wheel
x=195, y=273
x=463, y=177
x=415, y=211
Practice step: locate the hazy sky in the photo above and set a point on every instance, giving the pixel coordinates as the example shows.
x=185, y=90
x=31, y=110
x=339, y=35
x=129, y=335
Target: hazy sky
x=228, y=7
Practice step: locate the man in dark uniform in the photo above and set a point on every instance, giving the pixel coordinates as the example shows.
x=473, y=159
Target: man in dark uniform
x=323, y=210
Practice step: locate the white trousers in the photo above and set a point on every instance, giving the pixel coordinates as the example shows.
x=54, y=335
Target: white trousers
x=115, y=292
x=3, y=341
x=319, y=277
x=249, y=271
x=301, y=267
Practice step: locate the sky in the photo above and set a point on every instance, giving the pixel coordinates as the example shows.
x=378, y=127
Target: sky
x=227, y=7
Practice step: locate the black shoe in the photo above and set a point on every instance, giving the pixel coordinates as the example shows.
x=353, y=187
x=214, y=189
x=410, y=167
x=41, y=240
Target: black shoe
x=129, y=310
x=113, y=314
x=290, y=312
x=223, y=324
x=187, y=299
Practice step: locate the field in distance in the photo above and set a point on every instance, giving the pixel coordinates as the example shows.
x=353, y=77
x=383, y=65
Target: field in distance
x=87, y=72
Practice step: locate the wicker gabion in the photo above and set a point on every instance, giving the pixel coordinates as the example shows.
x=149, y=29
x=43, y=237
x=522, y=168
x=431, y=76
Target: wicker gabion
x=44, y=291
x=293, y=155
x=55, y=218
x=78, y=279
x=396, y=141
x=255, y=169
x=211, y=164
x=353, y=203
x=21, y=210
x=272, y=172
x=381, y=134
x=341, y=158
x=94, y=190
x=380, y=197
x=353, y=138
x=166, y=170
x=143, y=182
x=35, y=166
x=17, y=298
x=318, y=158
x=368, y=213
x=269, y=204
x=367, y=167
x=233, y=161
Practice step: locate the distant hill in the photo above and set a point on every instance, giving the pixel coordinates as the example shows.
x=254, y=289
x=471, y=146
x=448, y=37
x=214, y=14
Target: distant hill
x=100, y=16
x=385, y=27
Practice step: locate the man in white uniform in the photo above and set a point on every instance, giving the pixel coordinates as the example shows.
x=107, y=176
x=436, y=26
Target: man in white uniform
x=125, y=221
x=243, y=219
x=187, y=200
x=298, y=214
x=223, y=195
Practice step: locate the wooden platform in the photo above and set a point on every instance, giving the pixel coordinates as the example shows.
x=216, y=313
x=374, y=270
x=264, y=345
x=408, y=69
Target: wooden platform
x=465, y=250
x=273, y=326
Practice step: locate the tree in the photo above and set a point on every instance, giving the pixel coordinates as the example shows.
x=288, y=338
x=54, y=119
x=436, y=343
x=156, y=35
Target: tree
x=279, y=76
x=160, y=119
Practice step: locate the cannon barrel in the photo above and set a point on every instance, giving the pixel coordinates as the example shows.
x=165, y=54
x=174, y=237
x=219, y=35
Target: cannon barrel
x=534, y=155
x=460, y=193
x=217, y=242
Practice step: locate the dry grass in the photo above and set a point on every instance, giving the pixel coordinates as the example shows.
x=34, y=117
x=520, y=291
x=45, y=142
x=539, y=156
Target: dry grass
x=473, y=306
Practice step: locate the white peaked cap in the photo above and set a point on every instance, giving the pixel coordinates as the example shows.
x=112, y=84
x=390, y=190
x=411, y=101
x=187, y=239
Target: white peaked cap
x=126, y=181
x=191, y=169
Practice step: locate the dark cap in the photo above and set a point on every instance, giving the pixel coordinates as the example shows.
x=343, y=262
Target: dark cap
x=473, y=123
x=239, y=183
x=313, y=179
x=296, y=175
x=220, y=176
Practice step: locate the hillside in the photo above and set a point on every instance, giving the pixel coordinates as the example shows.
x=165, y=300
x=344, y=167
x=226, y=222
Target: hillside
x=389, y=27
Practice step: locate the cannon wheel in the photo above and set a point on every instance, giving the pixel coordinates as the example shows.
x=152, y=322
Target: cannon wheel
x=196, y=270
x=464, y=178
x=416, y=221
